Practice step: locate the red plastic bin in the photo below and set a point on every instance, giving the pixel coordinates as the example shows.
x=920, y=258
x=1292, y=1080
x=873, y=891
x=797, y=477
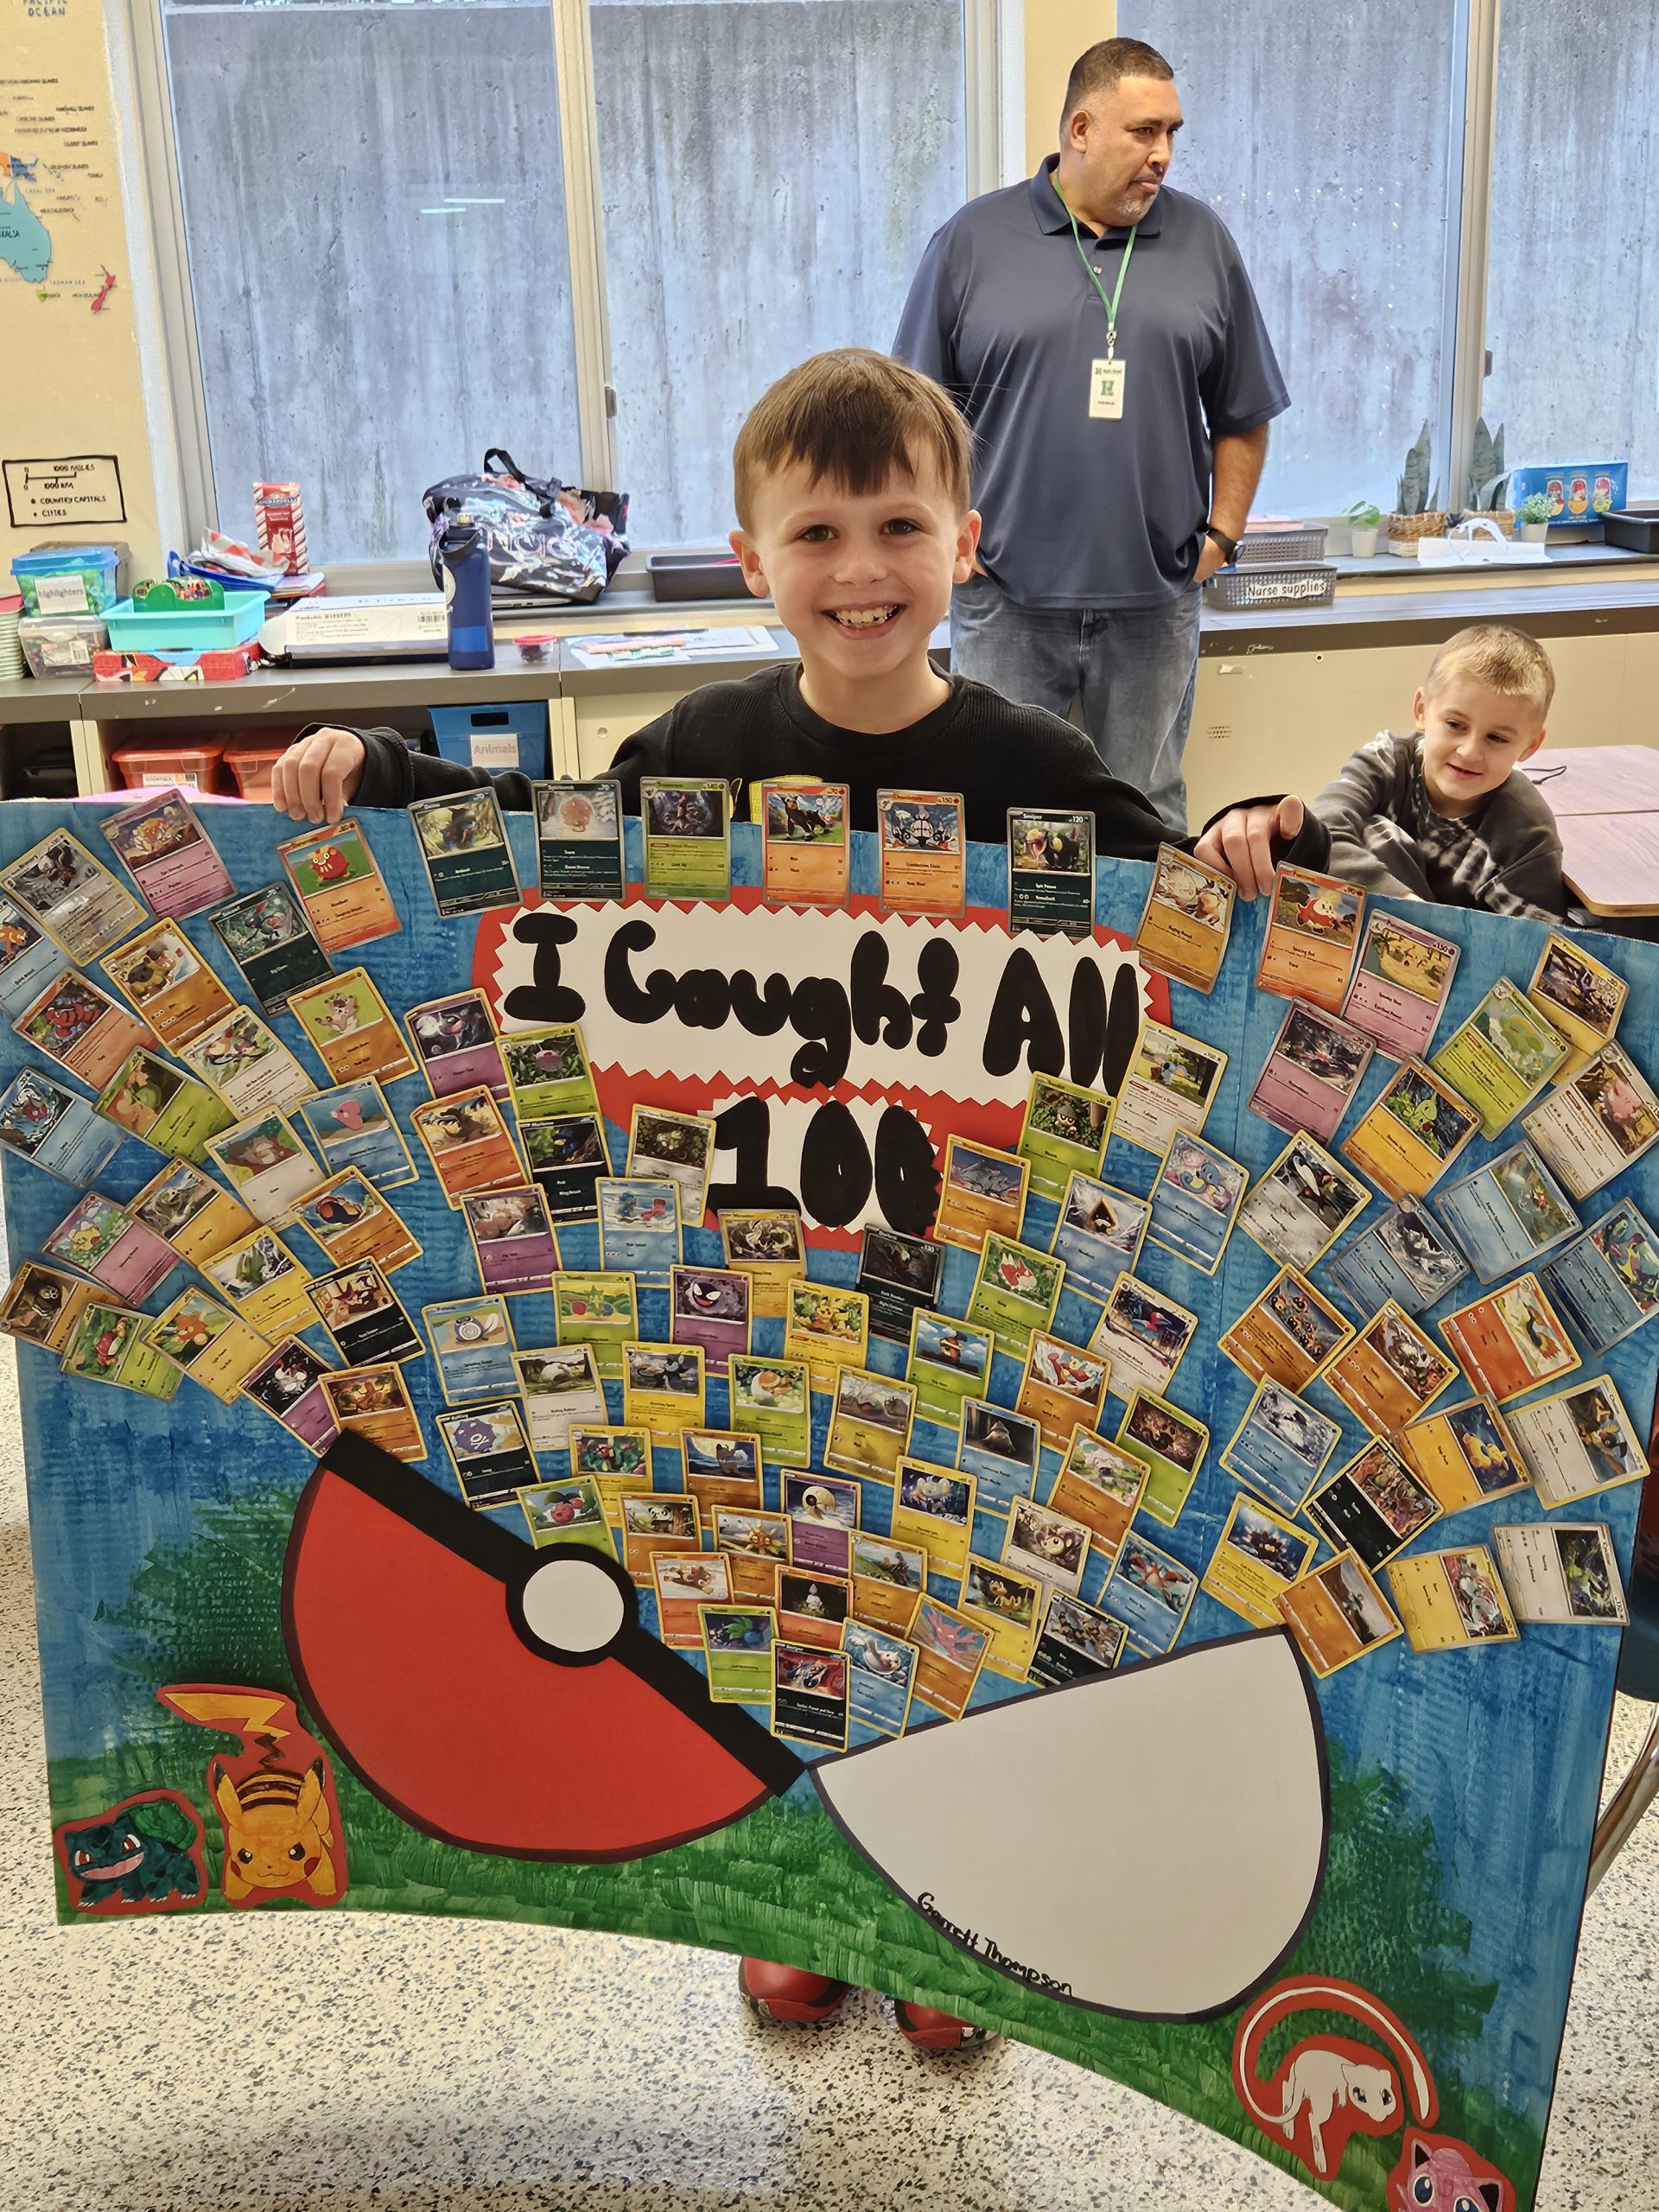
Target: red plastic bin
x=154, y=766
x=251, y=761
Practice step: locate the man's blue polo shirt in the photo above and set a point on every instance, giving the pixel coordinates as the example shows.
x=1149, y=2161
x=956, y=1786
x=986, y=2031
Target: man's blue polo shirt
x=1081, y=513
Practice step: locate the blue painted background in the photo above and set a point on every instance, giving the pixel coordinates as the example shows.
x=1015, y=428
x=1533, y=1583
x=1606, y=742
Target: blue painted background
x=1501, y=1750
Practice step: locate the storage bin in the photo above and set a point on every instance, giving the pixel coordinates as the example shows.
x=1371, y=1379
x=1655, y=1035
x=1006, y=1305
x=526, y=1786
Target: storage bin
x=696, y=575
x=250, y=760
x=513, y=736
x=39, y=762
x=1637, y=528
x=157, y=764
x=67, y=579
x=1259, y=548
x=187, y=629
x=62, y=645
x=1299, y=584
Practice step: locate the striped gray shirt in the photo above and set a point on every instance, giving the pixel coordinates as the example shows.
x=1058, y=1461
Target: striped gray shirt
x=1386, y=836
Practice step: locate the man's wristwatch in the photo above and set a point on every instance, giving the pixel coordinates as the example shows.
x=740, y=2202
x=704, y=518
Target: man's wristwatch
x=1229, y=545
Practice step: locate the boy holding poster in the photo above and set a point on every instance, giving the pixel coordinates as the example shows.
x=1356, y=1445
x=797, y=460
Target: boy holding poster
x=852, y=498
x=852, y=480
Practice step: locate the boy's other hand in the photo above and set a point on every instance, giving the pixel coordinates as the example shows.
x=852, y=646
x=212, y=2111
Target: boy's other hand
x=317, y=776
x=1241, y=842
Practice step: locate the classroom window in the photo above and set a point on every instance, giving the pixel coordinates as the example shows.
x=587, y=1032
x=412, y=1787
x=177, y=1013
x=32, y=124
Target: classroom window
x=1322, y=137
x=770, y=172
x=374, y=211
x=1573, y=283
x=380, y=262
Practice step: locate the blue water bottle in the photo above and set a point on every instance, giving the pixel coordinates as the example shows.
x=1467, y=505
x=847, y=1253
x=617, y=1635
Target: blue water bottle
x=466, y=558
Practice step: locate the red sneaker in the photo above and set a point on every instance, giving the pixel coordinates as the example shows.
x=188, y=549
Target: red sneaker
x=789, y=1994
x=924, y=2029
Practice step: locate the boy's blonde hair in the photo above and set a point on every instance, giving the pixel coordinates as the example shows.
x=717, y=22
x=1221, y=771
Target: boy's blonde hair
x=1505, y=660
x=853, y=415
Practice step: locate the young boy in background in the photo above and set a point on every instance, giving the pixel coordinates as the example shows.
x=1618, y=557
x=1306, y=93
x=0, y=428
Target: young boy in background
x=1444, y=813
x=851, y=491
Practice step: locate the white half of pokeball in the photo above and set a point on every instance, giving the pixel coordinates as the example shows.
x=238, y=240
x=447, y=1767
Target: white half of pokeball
x=1177, y=1813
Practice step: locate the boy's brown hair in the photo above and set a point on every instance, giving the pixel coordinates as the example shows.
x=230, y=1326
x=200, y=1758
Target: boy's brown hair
x=853, y=416
x=1505, y=659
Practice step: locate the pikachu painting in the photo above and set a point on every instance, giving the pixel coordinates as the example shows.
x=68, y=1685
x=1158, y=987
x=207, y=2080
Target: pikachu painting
x=273, y=1795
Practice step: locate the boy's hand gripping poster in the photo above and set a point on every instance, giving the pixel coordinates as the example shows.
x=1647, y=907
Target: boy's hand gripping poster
x=1033, y=1613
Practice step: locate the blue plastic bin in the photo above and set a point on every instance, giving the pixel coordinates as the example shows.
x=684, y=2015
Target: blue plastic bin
x=513, y=736
x=78, y=579
x=187, y=629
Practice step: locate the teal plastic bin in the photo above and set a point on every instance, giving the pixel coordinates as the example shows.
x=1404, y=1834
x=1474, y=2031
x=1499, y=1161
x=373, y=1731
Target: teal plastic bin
x=67, y=579
x=513, y=736
x=185, y=629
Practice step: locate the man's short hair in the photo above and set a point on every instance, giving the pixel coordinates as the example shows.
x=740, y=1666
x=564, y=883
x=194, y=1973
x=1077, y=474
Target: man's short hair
x=1505, y=659
x=1104, y=66
x=853, y=416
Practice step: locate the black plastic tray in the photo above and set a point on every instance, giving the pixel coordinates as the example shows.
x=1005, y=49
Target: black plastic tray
x=1637, y=528
x=696, y=575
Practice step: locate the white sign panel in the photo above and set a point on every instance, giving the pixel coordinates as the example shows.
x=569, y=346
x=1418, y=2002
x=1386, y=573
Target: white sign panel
x=83, y=488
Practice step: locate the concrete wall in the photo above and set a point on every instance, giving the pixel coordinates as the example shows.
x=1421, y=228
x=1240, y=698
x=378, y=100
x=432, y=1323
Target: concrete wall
x=1320, y=135
x=347, y=340
x=771, y=169
x=1573, y=294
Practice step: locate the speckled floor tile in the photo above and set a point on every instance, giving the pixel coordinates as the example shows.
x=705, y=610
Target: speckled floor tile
x=337, y=2064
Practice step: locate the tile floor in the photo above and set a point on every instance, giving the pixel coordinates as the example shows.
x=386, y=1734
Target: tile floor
x=334, y=2064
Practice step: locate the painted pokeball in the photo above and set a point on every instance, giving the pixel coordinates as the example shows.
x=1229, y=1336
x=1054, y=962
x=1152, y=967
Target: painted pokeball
x=508, y=1700
x=486, y=1691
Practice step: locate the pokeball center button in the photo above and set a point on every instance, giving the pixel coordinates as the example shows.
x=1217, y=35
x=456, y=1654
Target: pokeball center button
x=572, y=1605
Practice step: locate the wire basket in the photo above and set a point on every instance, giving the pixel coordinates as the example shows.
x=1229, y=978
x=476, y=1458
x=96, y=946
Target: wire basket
x=1285, y=584
x=1264, y=548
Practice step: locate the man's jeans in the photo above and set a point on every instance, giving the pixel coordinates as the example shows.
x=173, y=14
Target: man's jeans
x=1136, y=672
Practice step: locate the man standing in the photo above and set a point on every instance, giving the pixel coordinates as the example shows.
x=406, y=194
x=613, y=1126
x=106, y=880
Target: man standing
x=1100, y=334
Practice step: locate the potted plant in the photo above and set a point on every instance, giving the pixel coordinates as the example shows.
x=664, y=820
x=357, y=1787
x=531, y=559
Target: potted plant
x=1415, y=511
x=1534, y=518
x=1362, y=519
x=1488, y=480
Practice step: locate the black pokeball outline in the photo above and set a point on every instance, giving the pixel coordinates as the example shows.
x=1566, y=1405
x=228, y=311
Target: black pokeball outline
x=457, y=1528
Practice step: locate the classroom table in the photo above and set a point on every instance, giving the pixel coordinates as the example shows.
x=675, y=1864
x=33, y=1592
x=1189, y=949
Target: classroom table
x=1605, y=800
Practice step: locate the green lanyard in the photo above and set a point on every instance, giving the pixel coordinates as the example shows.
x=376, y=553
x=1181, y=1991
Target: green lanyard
x=1110, y=305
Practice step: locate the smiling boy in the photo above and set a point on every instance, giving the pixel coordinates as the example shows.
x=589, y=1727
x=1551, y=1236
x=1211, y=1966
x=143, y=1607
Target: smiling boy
x=1444, y=813
x=851, y=480
x=851, y=488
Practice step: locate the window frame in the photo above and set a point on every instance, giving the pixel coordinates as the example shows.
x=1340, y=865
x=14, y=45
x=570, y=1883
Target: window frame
x=1464, y=361
x=994, y=102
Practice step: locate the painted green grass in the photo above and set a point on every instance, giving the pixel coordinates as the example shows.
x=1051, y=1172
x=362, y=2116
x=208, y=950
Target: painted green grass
x=784, y=1884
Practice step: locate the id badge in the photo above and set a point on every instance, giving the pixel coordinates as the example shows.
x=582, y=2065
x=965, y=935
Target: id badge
x=1106, y=391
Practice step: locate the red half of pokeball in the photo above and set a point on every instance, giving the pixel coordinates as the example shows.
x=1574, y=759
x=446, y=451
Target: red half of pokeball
x=410, y=1622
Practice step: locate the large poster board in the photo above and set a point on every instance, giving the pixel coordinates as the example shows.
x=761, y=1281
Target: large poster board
x=1318, y=1887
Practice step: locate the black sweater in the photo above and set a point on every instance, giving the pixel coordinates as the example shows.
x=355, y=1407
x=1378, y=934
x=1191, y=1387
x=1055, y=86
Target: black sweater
x=996, y=754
